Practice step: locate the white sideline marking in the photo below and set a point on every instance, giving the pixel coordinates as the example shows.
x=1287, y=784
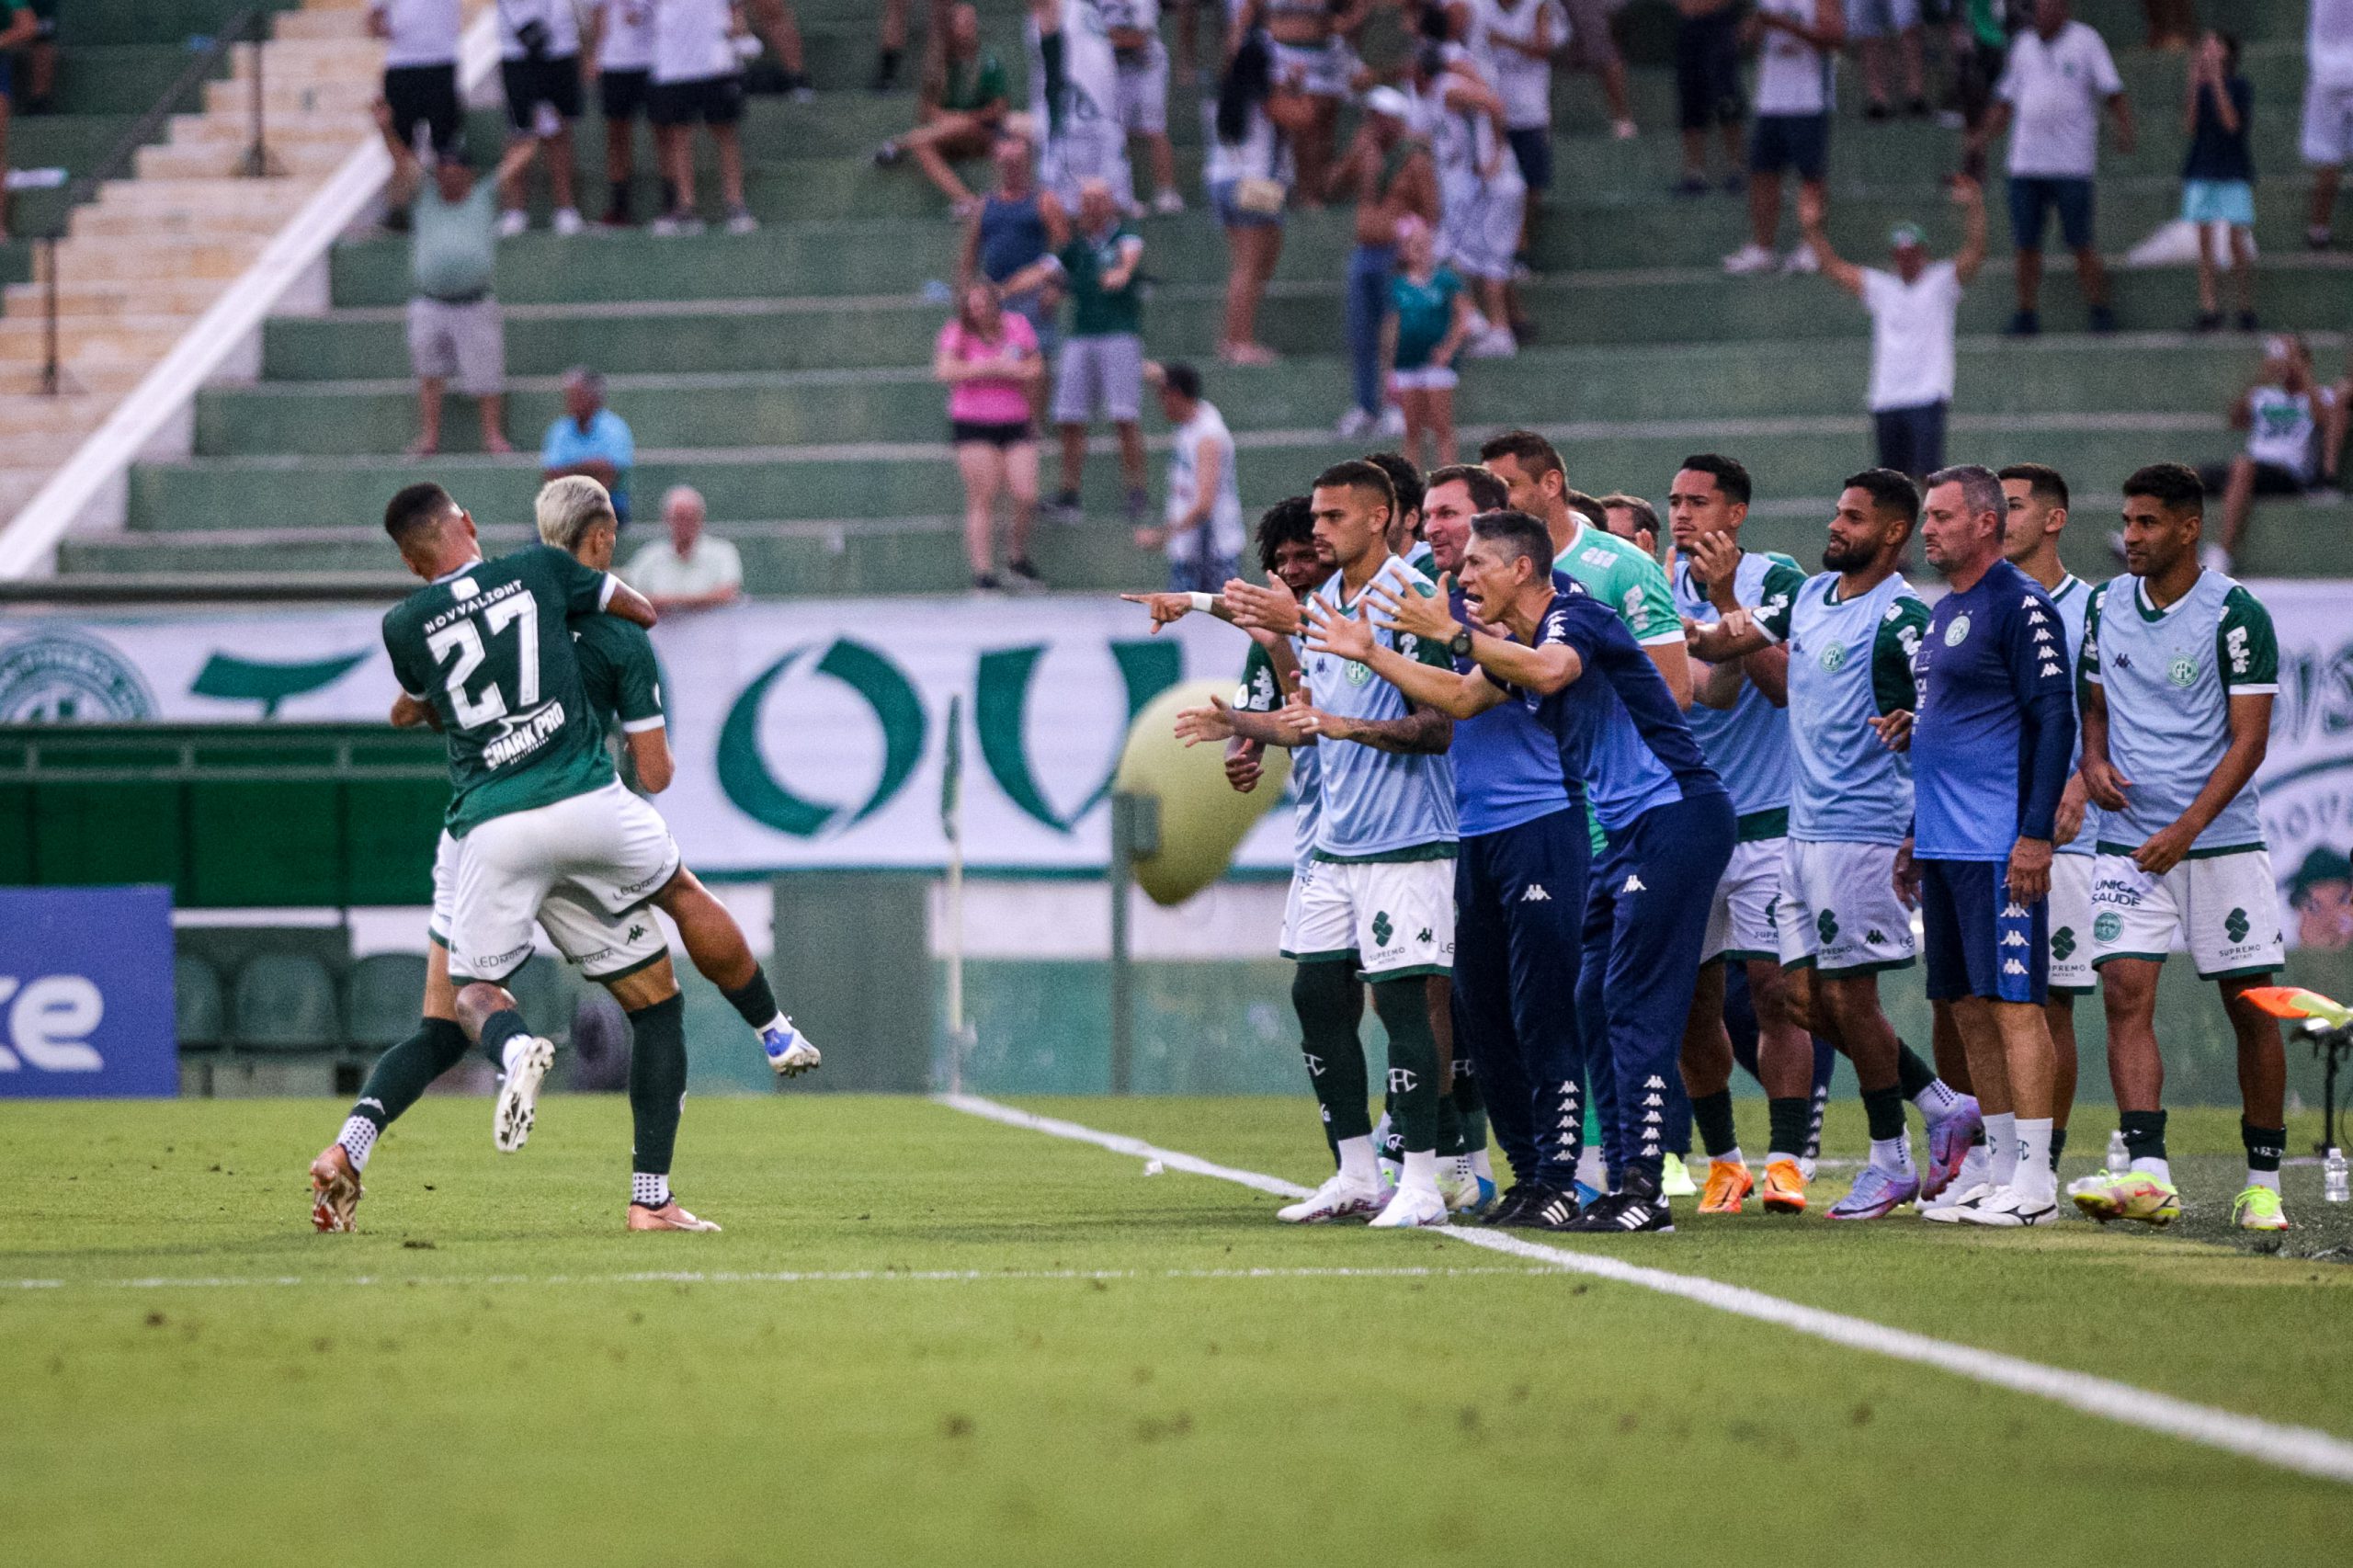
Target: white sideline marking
x=736, y=1276
x=2302, y=1448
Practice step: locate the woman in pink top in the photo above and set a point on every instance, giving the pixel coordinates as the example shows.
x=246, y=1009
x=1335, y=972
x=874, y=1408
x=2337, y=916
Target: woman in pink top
x=988, y=357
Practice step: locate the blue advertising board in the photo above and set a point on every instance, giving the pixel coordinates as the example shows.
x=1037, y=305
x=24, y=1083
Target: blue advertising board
x=85, y=993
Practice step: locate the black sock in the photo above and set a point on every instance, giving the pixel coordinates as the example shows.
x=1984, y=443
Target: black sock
x=620, y=199
x=1883, y=1109
x=753, y=1001
x=1450, y=1128
x=1912, y=1074
x=1786, y=1121
x=402, y=1073
x=1713, y=1113
x=657, y=1082
x=1325, y=995
x=496, y=1030
x=2263, y=1145
x=1403, y=1006
x=2057, y=1145
x=2144, y=1133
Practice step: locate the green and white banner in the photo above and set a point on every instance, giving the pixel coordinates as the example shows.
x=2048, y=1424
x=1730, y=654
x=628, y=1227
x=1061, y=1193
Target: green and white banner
x=807, y=734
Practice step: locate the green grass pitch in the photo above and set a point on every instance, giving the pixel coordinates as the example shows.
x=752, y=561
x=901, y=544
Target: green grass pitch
x=494, y=1372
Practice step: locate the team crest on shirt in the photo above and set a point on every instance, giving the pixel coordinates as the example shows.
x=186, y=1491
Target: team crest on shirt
x=2183, y=671
x=1358, y=673
x=1834, y=658
x=1957, y=632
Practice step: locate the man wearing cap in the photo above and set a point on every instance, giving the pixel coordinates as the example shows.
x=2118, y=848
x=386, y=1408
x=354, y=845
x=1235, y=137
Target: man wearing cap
x=1913, y=309
x=1389, y=169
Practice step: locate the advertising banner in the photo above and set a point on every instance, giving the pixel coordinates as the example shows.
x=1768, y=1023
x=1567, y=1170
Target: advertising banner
x=85, y=993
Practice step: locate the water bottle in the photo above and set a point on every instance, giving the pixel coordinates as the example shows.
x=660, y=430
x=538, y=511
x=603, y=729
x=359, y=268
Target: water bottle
x=2119, y=1158
x=2336, y=1184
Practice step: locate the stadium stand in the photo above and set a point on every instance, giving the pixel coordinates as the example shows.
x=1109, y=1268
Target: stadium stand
x=783, y=372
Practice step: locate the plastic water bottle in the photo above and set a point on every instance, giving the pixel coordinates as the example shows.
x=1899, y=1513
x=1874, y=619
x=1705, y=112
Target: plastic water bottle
x=2336, y=1184
x=2119, y=1158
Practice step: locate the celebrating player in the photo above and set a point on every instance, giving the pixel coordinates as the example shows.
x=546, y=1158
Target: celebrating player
x=2178, y=668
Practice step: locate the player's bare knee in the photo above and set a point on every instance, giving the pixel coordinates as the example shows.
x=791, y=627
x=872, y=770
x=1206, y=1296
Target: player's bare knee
x=477, y=1000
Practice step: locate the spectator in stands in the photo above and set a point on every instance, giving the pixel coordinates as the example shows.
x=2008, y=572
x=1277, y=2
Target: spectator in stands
x=1101, y=368
x=1202, y=530
x=2218, y=175
x=960, y=106
x=538, y=54
x=1592, y=49
x=1314, y=67
x=1878, y=28
x=1010, y=235
x=454, y=329
x=697, y=75
x=1915, y=309
x=2328, y=110
x=1391, y=174
x=17, y=26
x=421, y=69
x=892, y=42
x=2285, y=414
x=2172, y=24
x=1980, y=47
x=619, y=49
x=775, y=22
x=1141, y=95
x=1707, y=89
x=2058, y=76
x=1480, y=197
x=1633, y=519
x=692, y=570
x=1797, y=47
x=1249, y=172
x=988, y=357
x=41, y=63
x=2336, y=427
x=1514, y=43
x=590, y=439
x=1429, y=321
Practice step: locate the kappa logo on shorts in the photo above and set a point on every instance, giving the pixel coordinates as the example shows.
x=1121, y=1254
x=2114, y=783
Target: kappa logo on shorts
x=1634, y=884
x=2012, y=966
x=1875, y=937
x=2108, y=927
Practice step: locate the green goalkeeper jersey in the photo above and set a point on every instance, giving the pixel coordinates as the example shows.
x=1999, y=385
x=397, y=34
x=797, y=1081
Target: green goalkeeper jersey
x=488, y=647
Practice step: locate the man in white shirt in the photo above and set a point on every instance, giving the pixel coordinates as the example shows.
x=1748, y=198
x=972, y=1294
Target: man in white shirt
x=1515, y=41
x=538, y=65
x=1203, y=533
x=1797, y=49
x=2328, y=110
x=619, y=49
x=2049, y=100
x=699, y=47
x=421, y=69
x=1914, y=308
x=692, y=571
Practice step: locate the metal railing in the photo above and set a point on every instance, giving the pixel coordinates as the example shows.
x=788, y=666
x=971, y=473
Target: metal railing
x=250, y=26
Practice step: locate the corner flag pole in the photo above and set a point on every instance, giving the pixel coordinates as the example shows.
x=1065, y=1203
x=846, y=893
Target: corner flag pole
x=951, y=823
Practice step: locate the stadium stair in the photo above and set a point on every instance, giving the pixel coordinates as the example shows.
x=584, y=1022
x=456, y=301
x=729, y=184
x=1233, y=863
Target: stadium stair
x=785, y=373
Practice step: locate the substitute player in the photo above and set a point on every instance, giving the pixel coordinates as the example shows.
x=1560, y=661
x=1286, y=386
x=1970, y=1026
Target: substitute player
x=1851, y=633
x=1669, y=820
x=1991, y=743
x=2180, y=666
x=1740, y=721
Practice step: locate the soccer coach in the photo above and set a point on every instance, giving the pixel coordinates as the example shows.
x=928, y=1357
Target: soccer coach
x=1992, y=740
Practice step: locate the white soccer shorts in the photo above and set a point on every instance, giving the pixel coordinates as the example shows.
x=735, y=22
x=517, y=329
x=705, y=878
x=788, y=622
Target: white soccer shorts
x=605, y=946
x=1740, y=916
x=1141, y=92
x=1397, y=917
x=2225, y=908
x=2071, y=923
x=2328, y=124
x=1838, y=913
x=610, y=848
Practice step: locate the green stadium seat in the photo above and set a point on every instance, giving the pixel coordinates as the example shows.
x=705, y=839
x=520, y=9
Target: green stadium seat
x=382, y=999
x=286, y=1002
x=200, y=1013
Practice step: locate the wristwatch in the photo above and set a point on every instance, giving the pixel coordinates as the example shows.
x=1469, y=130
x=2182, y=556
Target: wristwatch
x=1459, y=646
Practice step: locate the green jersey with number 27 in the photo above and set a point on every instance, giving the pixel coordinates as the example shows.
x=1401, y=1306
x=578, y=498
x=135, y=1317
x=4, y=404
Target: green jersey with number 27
x=488, y=647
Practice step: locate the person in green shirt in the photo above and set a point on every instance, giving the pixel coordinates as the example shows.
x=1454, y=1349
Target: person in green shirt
x=962, y=103
x=1429, y=318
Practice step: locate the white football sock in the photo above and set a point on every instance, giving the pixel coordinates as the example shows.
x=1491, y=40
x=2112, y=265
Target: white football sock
x=1356, y=1161
x=1774, y=1155
x=1482, y=1165
x=359, y=1137
x=507, y=1052
x=654, y=1191
x=2263, y=1178
x=1421, y=1170
x=1732, y=1157
x=778, y=1024
x=2150, y=1166
x=2002, y=1147
x=2033, y=1172
x=1894, y=1154
x=1936, y=1099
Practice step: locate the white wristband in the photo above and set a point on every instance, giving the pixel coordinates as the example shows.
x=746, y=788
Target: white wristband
x=1203, y=602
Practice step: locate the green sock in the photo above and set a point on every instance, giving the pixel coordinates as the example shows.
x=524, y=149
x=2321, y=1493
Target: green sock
x=1405, y=1011
x=657, y=1082
x=1713, y=1115
x=2057, y=1145
x=1884, y=1110
x=1786, y=1124
x=1912, y=1073
x=402, y=1073
x=2263, y=1145
x=1450, y=1128
x=1324, y=996
x=496, y=1030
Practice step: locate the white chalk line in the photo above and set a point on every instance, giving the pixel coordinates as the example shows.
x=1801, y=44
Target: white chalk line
x=2304, y=1450
x=745, y=1277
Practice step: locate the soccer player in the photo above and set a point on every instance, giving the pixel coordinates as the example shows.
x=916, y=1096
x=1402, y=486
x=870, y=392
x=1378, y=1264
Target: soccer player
x=1382, y=899
x=2038, y=515
x=1669, y=820
x=1739, y=720
x=534, y=806
x=1405, y=530
x=1991, y=741
x=1851, y=633
x=2180, y=666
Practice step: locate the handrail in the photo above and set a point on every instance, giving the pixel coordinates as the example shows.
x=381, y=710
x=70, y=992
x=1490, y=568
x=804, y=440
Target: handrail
x=251, y=25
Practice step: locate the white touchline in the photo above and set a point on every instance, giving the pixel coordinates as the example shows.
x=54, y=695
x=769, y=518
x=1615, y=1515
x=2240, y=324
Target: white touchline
x=2302, y=1449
